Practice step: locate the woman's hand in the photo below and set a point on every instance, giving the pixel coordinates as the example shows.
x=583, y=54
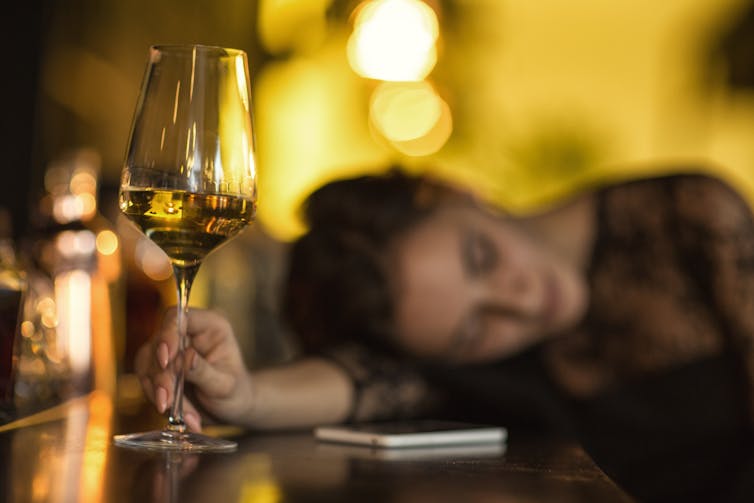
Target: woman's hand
x=213, y=364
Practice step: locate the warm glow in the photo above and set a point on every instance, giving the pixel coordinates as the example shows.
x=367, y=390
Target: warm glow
x=152, y=260
x=95, y=448
x=70, y=207
x=40, y=486
x=242, y=83
x=107, y=242
x=27, y=329
x=110, y=264
x=234, y=165
x=292, y=25
x=67, y=208
x=72, y=183
x=253, y=173
x=260, y=485
x=88, y=203
x=534, y=85
x=394, y=40
x=405, y=111
x=411, y=116
x=632, y=87
x=75, y=431
x=48, y=312
x=260, y=492
x=313, y=126
x=75, y=243
x=73, y=292
x=103, y=350
x=83, y=182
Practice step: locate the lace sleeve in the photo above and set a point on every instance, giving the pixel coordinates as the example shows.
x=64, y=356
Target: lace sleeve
x=385, y=387
x=717, y=232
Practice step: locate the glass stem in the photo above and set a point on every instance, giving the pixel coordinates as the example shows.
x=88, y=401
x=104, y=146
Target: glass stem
x=184, y=278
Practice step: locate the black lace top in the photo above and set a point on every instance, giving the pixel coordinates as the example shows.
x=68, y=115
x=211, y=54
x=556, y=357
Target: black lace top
x=663, y=361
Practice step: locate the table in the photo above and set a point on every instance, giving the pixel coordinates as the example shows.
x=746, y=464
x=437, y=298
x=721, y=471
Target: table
x=66, y=454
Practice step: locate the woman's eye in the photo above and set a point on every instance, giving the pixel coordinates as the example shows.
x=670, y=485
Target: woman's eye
x=481, y=253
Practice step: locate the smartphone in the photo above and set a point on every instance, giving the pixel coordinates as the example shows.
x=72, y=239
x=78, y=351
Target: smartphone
x=412, y=434
x=417, y=453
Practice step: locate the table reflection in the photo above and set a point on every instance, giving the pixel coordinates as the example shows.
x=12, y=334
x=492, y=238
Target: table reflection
x=66, y=455
x=61, y=455
x=159, y=479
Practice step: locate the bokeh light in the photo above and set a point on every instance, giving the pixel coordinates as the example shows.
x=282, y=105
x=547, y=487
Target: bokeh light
x=71, y=244
x=411, y=116
x=394, y=40
x=305, y=137
x=107, y=242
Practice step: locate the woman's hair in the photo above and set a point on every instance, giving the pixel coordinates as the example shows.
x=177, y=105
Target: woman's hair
x=337, y=287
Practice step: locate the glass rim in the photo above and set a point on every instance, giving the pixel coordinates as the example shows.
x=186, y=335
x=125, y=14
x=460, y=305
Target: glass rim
x=226, y=51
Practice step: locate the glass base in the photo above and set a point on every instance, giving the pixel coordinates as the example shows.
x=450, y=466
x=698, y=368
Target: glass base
x=166, y=440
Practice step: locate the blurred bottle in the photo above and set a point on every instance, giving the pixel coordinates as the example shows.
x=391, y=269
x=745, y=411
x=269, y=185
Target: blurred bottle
x=12, y=287
x=73, y=320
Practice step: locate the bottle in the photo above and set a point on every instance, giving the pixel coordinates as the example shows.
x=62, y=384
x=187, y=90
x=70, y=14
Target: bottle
x=77, y=250
x=12, y=288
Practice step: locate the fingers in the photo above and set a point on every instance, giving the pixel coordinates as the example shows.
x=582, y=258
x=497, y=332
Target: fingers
x=208, y=379
x=147, y=369
x=191, y=416
x=156, y=363
x=208, y=330
x=162, y=354
x=156, y=379
x=166, y=341
x=205, y=320
x=159, y=390
x=162, y=399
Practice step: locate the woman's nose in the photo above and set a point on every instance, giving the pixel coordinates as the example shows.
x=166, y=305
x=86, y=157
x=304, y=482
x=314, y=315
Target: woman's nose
x=518, y=292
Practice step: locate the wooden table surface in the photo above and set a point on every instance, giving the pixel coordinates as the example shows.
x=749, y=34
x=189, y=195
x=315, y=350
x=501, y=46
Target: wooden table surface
x=66, y=454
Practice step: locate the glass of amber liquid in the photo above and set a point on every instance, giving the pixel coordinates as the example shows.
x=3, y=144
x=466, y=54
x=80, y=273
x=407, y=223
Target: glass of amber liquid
x=189, y=184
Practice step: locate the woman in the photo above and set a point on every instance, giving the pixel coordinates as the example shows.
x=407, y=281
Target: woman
x=625, y=317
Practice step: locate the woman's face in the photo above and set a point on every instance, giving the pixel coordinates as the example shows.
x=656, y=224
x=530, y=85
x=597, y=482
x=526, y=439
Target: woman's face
x=473, y=287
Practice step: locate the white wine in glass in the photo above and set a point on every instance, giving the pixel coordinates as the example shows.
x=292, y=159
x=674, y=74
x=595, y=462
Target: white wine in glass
x=189, y=184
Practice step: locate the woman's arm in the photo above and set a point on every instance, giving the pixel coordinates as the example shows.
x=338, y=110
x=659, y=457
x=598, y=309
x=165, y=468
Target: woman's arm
x=301, y=394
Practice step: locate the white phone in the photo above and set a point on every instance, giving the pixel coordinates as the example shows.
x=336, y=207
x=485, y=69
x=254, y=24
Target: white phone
x=412, y=433
x=418, y=453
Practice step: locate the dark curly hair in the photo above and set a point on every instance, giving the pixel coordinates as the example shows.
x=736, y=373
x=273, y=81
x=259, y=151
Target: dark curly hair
x=337, y=286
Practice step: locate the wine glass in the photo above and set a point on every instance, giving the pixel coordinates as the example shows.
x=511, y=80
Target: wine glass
x=189, y=184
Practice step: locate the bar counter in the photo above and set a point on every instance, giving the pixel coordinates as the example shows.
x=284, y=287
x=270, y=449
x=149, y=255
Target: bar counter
x=66, y=454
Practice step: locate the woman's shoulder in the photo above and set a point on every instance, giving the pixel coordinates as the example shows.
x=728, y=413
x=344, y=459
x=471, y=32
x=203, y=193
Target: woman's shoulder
x=704, y=187
x=651, y=185
x=692, y=196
